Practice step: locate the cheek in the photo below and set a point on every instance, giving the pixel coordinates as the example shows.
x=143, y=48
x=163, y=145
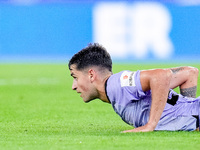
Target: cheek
x=84, y=88
x=84, y=85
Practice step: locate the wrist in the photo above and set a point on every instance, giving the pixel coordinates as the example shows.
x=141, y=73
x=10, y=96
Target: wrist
x=151, y=125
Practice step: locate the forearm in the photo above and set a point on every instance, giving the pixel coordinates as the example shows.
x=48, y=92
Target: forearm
x=189, y=92
x=157, y=107
x=160, y=89
x=186, y=78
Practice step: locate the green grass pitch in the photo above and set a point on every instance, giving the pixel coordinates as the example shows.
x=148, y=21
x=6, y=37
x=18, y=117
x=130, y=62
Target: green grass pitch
x=39, y=111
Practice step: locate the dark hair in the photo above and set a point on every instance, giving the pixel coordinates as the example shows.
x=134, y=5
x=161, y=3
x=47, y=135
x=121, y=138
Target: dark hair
x=92, y=55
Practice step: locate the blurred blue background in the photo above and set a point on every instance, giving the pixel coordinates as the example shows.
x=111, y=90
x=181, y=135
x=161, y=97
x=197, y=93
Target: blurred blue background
x=53, y=30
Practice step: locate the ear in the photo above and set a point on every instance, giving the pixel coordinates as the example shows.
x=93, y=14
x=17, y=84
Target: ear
x=92, y=74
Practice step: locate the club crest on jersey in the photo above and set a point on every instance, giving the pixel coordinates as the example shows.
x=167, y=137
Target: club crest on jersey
x=127, y=79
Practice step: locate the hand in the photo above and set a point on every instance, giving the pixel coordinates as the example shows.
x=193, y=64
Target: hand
x=145, y=128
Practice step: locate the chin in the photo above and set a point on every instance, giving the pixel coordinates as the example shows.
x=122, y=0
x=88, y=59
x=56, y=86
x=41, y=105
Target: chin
x=88, y=100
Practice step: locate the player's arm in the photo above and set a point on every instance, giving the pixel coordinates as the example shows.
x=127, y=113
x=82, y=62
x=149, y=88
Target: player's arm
x=158, y=81
x=186, y=78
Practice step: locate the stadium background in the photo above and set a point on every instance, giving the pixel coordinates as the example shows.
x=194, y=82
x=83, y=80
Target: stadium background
x=53, y=30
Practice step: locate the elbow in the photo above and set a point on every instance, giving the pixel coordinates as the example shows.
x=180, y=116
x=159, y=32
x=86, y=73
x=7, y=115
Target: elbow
x=193, y=71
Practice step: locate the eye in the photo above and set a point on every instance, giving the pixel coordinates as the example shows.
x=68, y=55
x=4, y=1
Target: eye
x=75, y=78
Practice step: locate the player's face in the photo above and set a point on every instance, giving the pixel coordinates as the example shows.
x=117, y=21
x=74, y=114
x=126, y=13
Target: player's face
x=82, y=84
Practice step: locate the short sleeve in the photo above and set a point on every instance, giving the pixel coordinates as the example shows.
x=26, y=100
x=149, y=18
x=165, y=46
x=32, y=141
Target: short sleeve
x=138, y=84
x=130, y=82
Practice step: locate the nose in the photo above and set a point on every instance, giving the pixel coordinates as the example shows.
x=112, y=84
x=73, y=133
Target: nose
x=74, y=85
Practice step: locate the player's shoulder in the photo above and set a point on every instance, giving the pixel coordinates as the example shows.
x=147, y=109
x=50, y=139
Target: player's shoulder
x=125, y=78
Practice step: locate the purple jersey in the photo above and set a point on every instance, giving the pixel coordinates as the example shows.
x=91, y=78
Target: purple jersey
x=133, y=105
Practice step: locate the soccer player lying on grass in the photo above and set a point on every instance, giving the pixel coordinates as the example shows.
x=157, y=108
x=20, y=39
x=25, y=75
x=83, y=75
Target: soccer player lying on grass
x=143, y=99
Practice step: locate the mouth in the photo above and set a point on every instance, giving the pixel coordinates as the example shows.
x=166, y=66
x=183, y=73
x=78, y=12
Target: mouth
x=79, y=93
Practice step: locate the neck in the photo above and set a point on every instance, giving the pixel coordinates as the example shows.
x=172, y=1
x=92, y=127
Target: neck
x=102, y=92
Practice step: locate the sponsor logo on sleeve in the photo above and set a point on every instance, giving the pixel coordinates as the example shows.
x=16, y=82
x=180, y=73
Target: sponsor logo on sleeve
x=127, y=79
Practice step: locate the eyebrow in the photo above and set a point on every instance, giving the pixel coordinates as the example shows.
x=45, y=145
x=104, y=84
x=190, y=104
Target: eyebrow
x=72, y=74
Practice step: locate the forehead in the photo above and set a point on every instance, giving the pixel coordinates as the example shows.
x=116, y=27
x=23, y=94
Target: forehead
x=72, y=67
x=74, y=71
